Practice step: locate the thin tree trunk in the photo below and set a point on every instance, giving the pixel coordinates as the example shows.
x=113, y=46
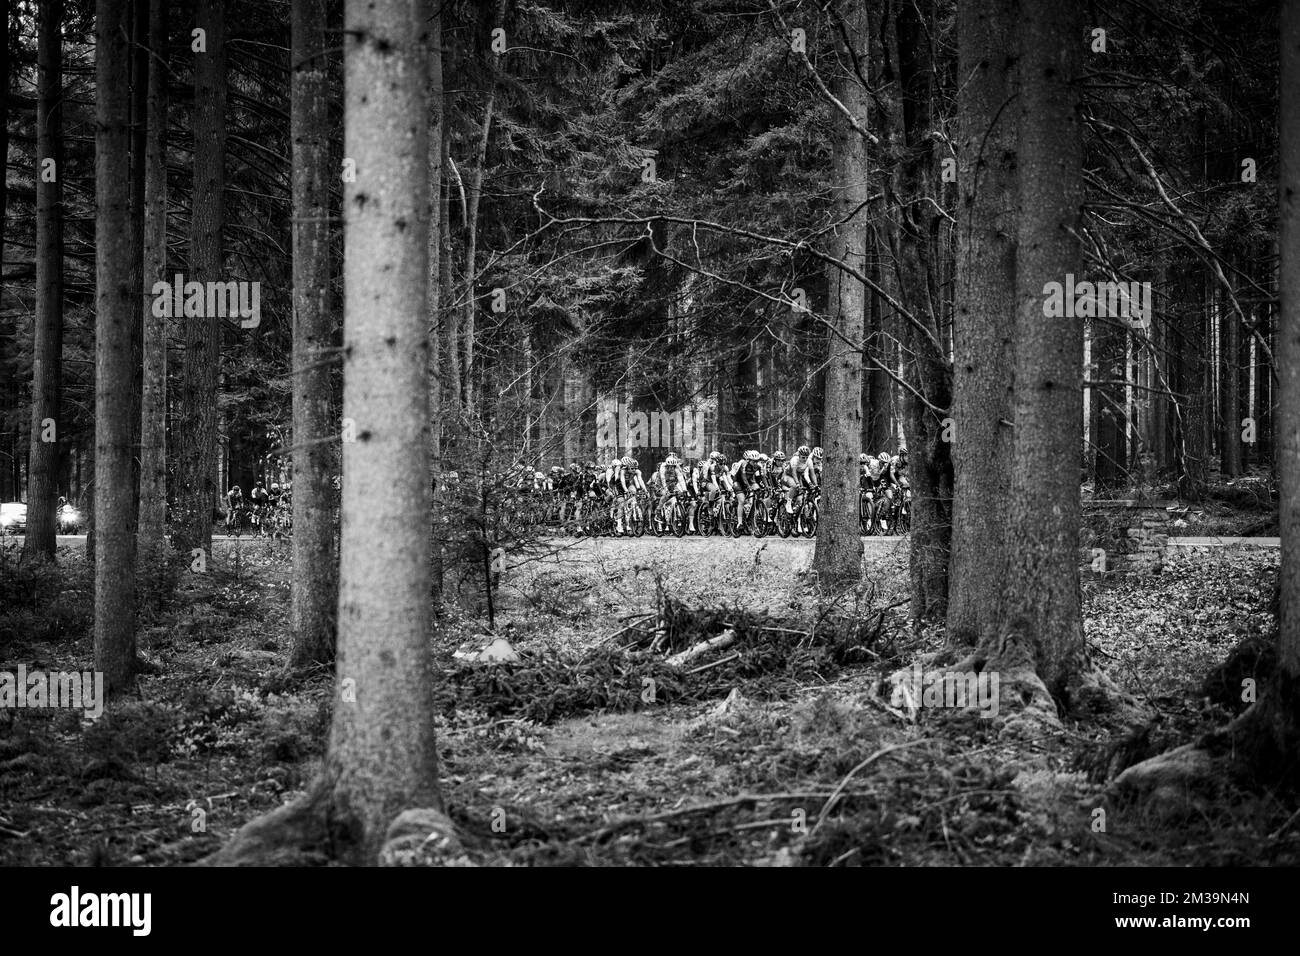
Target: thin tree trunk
x=837, y=556
x=198, y=423
x=471, y=228
x=117, y=308
x=1042, y=626
x=983, y=323
x=315, y=578
x=153, y=409
x=1230, y=394
x=382, y=756
x=47, y=349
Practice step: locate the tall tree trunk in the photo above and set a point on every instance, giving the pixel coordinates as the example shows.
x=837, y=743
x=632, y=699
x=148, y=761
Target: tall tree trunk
x=983, y=323
x=117, y=308
x=1282, y=697
x=837, y=556
x=451, y=315
x=437, y=208
x=382, y=755
x=925, y=369
x=198, y=419
x=47, y=350
x=471, y=224
x=1108, y=400
x=153, y=408
x=1230, y=394
x=1041, y=636
x=315, y=578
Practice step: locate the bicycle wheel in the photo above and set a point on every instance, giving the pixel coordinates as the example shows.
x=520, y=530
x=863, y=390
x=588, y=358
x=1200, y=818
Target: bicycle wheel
x=865, y=524
x=784, y=520
x=637, y=518
x=808, y=519
x=738, y=526
x=885, y=516
x=677, y=519
x=758, y=519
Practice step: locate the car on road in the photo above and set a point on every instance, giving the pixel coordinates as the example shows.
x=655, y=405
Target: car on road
x=13, y=517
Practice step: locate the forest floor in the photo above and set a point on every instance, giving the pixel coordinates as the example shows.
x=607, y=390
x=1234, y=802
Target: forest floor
x=587, y=752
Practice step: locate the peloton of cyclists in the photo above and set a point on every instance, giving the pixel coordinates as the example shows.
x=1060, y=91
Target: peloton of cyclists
x=699, y=484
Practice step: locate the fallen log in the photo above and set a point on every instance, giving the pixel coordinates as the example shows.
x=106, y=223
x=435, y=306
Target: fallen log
x=724, y=639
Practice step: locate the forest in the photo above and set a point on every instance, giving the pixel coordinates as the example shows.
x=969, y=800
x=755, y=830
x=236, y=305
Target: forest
x=676, y=433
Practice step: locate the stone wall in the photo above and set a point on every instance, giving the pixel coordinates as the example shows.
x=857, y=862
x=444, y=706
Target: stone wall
x=1133, y=533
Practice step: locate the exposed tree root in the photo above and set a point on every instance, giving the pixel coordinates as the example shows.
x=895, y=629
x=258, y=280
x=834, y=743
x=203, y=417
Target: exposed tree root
x=1258, y=749
x=311, y=832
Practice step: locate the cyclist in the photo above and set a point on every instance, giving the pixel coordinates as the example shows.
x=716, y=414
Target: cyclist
x=234, y=502
x=628, y=482
x=746, y=477
x=672, y=479
x=794, y=476
x=866, y=480
x=814, y=470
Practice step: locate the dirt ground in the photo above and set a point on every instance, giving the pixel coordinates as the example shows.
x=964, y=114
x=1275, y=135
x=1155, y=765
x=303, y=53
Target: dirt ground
x=786, y=754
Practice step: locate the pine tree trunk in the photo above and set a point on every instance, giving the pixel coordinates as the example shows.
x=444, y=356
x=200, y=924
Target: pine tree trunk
x=153, y=409
x=925, y=368
x=1042, y=626
x=837, y=557
x=197, y=427
x=983, y=320
x=1285, y=692
x=315, y=579
x=382, y=756
x=1230, y=394
x=47, y=349
x=117, y=308
x=437, y=384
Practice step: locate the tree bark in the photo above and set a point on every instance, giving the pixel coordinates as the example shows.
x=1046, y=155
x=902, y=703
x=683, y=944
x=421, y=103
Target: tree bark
x=117, y=308
x=837, y=557
x=197, y=427
x=1042, y=625
x=153, y=409
x=47, y=349
x=983, y=322
x=315, y=579
x=926, y=370
x=382, y=756
x=1230, y=394
x=434, y=292
x=1283, y=695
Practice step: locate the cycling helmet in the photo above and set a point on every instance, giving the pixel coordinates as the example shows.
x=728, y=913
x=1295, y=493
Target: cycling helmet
x=762, y=456
x=715, y=456
x=236, y=488
x=817, y=452
x=556, y=469
x=627, y=461
x=274, y=486
x=672, y=460
x=883, y=456
x=575, y=468
x=539, y=476
x=803, y=451
x=632, y=463
x=779, y=456
x=864, y=458
x=751, y=455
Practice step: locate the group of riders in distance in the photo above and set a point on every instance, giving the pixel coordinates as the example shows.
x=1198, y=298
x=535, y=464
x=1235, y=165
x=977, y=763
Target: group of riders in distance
x=262, y=512
x=757, y=494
